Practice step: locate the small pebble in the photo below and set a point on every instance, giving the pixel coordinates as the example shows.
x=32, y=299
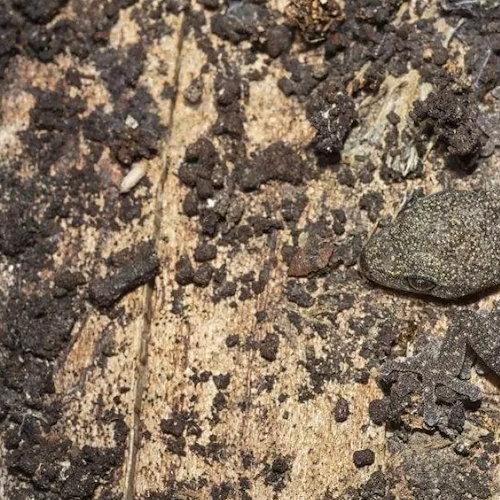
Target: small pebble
x=280, y=465
x=362, y=458
x=378, y=410
x=341, y=411
x=194, y=92
x=362, y=376
x=232, y=340
x=203, y=275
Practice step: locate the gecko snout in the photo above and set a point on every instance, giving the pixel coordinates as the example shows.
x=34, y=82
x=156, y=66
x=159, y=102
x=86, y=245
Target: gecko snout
x=363, y=265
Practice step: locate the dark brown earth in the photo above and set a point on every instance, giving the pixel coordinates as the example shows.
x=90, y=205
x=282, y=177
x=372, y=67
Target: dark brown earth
x=54, y=186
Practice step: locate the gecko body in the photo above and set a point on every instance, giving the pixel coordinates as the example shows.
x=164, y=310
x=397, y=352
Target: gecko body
x=445, y=245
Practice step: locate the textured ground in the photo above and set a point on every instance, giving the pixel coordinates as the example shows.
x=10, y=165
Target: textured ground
x=184, y=191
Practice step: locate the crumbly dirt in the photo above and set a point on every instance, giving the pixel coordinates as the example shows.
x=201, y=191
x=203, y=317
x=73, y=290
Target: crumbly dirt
x=208, y=335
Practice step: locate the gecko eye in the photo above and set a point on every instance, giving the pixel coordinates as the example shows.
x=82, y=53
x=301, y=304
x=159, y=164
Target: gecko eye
x=420, y=284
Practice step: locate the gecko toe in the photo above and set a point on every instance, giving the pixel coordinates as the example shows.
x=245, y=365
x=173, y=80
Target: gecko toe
x=475, y=394
x=411, y=365
x=471, y=391
x=426, y=365
x=431, y=416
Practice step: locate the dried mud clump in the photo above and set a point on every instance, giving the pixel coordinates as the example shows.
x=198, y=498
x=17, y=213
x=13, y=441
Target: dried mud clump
x=231, y=116
x=38, y=29
x=332, y=113
x=314, y=18
x=278, y=162
x=241, y=21
x=63, y=188
x=140, y=268
x=363, y=458
x=58, y=469
x=450, y=116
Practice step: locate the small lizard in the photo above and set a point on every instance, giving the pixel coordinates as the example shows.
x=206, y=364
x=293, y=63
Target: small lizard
x=445, y=245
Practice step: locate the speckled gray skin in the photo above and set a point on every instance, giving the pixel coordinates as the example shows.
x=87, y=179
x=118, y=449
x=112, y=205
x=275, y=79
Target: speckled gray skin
x=446, y=245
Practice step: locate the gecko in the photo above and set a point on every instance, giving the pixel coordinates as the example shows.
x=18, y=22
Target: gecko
x=447, y=246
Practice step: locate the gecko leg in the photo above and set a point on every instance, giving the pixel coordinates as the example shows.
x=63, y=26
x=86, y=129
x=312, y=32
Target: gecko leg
x=436, y=365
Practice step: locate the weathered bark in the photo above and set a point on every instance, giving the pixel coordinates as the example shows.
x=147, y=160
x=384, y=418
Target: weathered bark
x=223, y=395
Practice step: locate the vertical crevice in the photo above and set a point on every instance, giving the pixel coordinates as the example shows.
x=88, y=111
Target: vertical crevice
x=142, y=363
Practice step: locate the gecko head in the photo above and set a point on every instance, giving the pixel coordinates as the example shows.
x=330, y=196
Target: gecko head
x=435, y=247
x=387, y=262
